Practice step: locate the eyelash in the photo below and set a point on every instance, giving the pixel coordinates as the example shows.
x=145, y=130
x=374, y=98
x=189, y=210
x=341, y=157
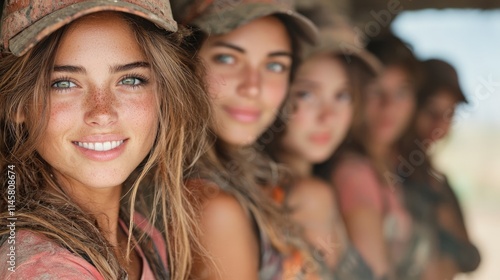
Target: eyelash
x=62, y=79
x=143, y=80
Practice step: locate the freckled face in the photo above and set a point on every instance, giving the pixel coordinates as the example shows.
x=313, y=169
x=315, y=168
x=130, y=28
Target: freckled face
x=103, y=119
x=323, y=109
x=248, y=72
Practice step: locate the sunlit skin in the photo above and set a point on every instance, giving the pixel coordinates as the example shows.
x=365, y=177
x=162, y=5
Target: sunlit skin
x=388, y=111
x=101, y=90
x=248, y=72
x=434, y=120
x=323, y=112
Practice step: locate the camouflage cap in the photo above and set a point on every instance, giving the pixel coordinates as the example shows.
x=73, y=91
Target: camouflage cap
x=218, y=17
x=340, y=38
x=25, y=23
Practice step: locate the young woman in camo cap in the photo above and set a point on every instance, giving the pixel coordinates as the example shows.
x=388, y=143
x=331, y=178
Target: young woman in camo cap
x=249, y=49
x=101, y=111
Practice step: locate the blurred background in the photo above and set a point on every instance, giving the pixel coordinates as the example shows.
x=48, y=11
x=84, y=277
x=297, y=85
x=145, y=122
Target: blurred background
x=467, y=35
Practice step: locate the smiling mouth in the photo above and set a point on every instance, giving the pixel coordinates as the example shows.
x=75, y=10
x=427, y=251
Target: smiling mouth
x=100, y=146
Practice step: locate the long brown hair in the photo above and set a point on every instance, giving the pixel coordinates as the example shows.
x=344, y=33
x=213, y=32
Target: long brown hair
x=248, y=173
x=155, y=188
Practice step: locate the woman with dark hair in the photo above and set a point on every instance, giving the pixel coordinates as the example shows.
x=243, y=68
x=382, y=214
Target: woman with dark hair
x=365, y=175
x=436, y=102
x=249, y=49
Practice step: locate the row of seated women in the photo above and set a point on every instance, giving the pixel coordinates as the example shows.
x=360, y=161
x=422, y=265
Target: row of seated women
x=222, y=139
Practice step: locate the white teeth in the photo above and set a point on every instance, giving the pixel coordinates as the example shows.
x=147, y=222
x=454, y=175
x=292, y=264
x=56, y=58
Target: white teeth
x=100, y=146
x=106, y=146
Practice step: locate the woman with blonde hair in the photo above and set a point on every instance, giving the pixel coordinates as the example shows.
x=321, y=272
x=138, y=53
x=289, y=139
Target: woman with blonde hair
x=101, y=115
x=249, y=49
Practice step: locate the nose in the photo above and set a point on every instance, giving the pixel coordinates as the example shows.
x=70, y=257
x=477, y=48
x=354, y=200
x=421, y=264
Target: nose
x=100, y=107
x=327, y=112
x=250, y=84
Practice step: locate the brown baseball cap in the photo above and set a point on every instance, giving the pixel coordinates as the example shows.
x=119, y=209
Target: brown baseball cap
x=438, y=75
x=216, y=17
x=27, y=22
x=340, y=38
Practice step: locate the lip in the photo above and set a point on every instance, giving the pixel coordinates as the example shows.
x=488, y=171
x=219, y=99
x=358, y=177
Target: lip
x=320, y=138
x=243, y=115
x=101, y=147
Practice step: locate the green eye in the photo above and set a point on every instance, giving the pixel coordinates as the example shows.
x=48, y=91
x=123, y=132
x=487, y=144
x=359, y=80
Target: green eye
x=225, y=59
x=130, y=81
x=276, y=67
x=63, y=84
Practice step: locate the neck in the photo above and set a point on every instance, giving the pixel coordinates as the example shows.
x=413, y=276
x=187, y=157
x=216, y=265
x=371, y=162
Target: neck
x=379, y=150
x=299, y=166
x=103, y=204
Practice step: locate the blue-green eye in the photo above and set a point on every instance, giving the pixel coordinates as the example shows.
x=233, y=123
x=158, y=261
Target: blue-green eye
x=225, y=59
x=131, y=81
x=303, y=94
x=63, y=84
x=276, y=67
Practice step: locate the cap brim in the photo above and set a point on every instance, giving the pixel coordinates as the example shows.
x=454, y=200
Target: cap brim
x=228, y=20
x=30, y=36
x=343, y=41
x=370, y=60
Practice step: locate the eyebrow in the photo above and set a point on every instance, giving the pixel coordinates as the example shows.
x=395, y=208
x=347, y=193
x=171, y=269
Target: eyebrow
x=130, y=66
x=113, y=69
x=241, y=50
x=69, y=68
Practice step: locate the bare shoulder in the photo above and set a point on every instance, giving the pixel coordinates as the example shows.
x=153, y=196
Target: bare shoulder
x=37, y=257
x=230, y=237
x=223, y=209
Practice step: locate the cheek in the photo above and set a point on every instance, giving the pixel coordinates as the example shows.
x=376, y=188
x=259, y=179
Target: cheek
x=371, y=110
x=345, y=117
x=302, y=117
x=215, y=85
x=406, y=110
x=143, y=115
x=274, y=92
x=63, y=116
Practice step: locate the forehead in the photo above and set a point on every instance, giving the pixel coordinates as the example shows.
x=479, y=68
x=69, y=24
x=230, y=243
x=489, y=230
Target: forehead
x=99, y=34
x=253, y=33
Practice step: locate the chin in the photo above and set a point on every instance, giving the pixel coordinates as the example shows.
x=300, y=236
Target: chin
x=239, y=139
x=318, y=158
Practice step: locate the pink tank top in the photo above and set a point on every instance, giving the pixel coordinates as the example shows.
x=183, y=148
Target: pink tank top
x=357, y=184
x=38, y=257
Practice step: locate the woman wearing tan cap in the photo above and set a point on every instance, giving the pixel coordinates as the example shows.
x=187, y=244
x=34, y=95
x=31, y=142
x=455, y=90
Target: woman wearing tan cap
x=94, y=132
x=249, y=49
